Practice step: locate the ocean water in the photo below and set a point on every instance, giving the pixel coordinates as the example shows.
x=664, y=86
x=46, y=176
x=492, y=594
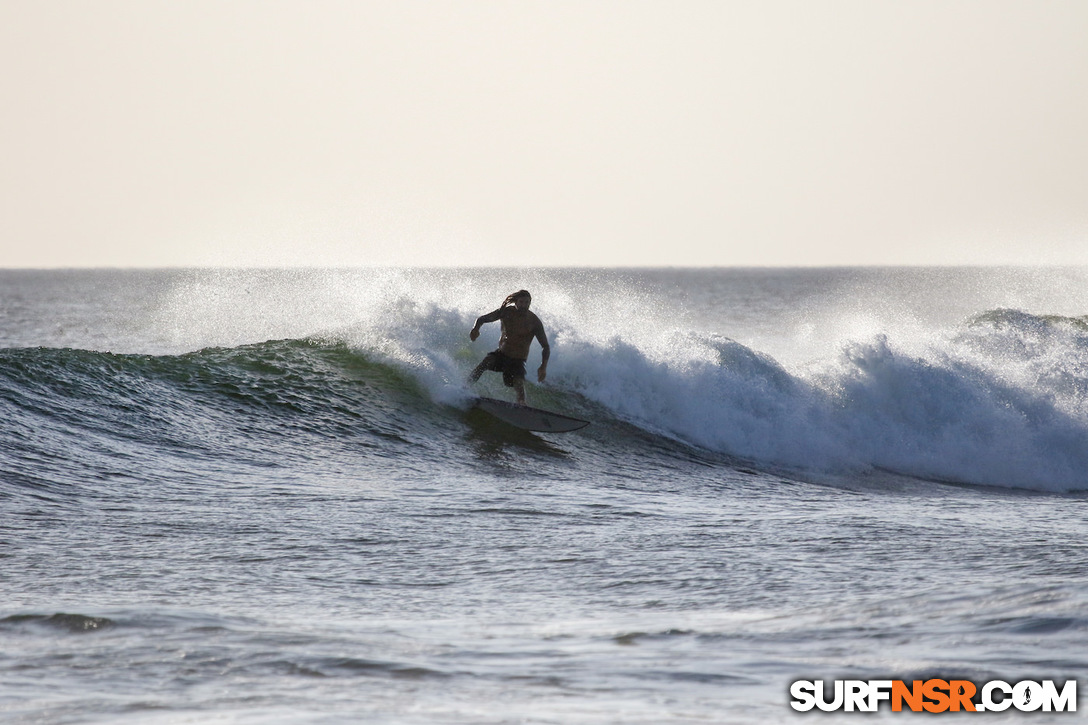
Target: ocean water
x=263, y=496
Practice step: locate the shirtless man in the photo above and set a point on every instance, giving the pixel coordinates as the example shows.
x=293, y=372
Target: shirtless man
x=519, y=327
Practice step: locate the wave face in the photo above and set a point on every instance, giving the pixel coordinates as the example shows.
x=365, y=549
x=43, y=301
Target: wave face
x=81, y=419
x=997, y=398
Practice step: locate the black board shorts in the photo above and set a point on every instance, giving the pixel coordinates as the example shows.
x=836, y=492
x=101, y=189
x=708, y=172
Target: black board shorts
x=510, y=367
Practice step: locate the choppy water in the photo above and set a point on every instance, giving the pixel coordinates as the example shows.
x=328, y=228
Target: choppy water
x=262, y=496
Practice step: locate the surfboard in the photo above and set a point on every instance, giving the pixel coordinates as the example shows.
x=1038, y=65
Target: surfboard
x=526, y=418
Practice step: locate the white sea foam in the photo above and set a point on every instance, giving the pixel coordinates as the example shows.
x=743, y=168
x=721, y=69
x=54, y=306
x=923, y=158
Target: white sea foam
x=971, y=408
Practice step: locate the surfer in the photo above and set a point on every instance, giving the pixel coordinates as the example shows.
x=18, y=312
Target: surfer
x=519, y=327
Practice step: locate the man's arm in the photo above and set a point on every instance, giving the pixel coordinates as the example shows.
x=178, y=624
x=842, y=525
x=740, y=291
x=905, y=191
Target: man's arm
x=545, y=352
x=482, y=319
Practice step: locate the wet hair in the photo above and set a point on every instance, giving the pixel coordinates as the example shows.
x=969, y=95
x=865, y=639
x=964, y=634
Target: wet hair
x=520, y=293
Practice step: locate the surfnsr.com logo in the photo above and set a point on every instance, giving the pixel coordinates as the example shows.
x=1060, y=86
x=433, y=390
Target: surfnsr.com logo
x=934, y=696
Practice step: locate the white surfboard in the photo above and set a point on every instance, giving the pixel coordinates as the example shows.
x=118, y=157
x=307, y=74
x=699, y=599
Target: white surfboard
x=526, y=418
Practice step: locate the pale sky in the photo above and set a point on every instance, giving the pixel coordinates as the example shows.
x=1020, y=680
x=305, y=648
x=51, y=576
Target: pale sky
x=471, y=133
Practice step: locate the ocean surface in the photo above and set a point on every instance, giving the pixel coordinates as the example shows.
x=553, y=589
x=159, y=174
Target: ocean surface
x=263, y=496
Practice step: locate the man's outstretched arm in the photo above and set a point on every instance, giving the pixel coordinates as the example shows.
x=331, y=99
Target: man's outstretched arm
x=482, y=319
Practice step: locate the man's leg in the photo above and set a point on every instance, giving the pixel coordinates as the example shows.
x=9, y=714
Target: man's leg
x=477, y=372
x=485, y=364
x=519, y=388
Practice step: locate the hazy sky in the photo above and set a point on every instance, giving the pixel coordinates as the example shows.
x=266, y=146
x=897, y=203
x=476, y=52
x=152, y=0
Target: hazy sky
x=154, y=133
